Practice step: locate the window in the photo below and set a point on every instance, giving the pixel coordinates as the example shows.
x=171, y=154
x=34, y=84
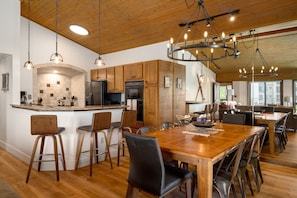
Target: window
x=265, y=93
x=295, y=95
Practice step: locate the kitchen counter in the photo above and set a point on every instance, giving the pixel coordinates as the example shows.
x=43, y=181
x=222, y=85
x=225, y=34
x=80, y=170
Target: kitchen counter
x=69, y=117
x=66, y=108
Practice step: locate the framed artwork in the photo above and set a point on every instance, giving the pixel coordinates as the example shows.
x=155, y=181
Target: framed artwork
x=179, y=83
x=5, y=82
x=167, y=82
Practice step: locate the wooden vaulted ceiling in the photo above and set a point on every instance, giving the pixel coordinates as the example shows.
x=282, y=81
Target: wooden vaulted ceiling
x=132, y=23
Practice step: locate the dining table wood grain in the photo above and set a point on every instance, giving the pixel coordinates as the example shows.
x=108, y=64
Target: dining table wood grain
x=270, y=119
x=202, y=151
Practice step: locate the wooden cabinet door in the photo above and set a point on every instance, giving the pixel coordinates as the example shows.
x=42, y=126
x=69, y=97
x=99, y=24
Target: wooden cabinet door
x=151, y=72
x=93, y=74
x=101, y=74
x=133, y=71
x=110, y=79
x=115, y=79
x=151, y=106
x=119, y=79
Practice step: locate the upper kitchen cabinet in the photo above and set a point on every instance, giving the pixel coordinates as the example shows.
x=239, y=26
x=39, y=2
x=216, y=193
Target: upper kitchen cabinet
x=151, y=72
x=133, y=72
x=115, y=79
x=98, y=74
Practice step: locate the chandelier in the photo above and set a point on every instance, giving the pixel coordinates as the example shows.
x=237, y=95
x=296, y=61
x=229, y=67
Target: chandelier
x=258, y=59
x=211, y=47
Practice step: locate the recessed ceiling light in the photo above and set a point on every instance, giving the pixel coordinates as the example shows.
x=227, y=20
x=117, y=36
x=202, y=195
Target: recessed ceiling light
x=79, y=30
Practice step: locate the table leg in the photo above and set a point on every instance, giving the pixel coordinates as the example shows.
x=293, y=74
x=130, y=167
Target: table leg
x=204, y=178
x=271, y=136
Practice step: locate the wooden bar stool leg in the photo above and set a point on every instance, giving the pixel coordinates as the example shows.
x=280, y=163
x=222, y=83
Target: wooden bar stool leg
x=32, y=158
x=91, y=152
x=62, y=151
x=107, y=150
x=119, y=148
x=78, y=151
x=56, y=156
x=109, y=138
x=41, y=152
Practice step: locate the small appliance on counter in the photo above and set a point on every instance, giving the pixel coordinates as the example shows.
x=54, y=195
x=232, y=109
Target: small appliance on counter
x=23, y=97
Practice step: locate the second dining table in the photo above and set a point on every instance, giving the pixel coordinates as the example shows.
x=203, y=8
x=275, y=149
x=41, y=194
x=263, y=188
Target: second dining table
x=270, y=119
x=202, y=150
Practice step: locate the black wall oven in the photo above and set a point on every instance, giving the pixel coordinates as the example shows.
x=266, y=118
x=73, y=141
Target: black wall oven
x=134, y=97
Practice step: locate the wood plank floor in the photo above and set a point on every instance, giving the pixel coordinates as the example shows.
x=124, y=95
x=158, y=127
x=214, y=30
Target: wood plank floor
x=279, y=181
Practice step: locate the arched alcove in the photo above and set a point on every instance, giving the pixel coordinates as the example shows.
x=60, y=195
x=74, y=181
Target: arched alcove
x=59, y=82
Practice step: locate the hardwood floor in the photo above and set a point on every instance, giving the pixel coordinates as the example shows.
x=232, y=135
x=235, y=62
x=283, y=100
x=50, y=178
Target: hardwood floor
x=279, y=181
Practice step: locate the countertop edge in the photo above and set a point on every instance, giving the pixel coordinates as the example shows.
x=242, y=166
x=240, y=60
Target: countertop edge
x=66, y=108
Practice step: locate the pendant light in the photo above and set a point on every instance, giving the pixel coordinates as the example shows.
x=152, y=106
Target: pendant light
x=56, y=57
x=99, y=61
x=28, y=64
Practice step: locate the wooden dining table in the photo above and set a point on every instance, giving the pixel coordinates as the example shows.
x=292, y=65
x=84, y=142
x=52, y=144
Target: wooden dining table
x=270, y=119
x=200, y=150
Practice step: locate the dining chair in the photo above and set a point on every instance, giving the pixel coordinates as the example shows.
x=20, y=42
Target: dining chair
x=101, y=121
x=280, y=132
x=145, y=129
x=255, y=159
x=234, y=118
x=148, y=172
x=225, y=173
x=242, y=173
x=167, y=125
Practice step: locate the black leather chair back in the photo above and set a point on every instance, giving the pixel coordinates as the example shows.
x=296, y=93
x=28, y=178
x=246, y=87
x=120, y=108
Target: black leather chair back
x=234, y=119
x=147, y=169
x=249, y=117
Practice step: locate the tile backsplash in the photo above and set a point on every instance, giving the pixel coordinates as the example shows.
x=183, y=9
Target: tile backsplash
x=53, y=87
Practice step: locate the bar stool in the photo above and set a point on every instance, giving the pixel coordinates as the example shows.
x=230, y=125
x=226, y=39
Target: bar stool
x=101, y=121
x=128, y=120
x=46, y=126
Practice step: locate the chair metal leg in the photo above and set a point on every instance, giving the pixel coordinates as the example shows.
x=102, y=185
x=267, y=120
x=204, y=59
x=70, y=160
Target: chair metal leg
x=247, y=176
x=259, y=170
x=32, y=158
x=255, y=173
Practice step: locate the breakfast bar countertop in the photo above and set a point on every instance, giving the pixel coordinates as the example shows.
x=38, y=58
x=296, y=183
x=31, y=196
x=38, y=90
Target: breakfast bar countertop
x=66, y=108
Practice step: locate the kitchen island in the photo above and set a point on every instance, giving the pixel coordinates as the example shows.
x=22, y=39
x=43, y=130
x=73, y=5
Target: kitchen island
x=20, y=141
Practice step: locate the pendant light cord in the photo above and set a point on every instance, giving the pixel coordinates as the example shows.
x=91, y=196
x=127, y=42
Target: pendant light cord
x=99, y=28
x=56, y=26
x=29, y=30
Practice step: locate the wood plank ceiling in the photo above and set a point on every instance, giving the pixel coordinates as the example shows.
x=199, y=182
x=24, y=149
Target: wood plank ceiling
x=130, y=23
